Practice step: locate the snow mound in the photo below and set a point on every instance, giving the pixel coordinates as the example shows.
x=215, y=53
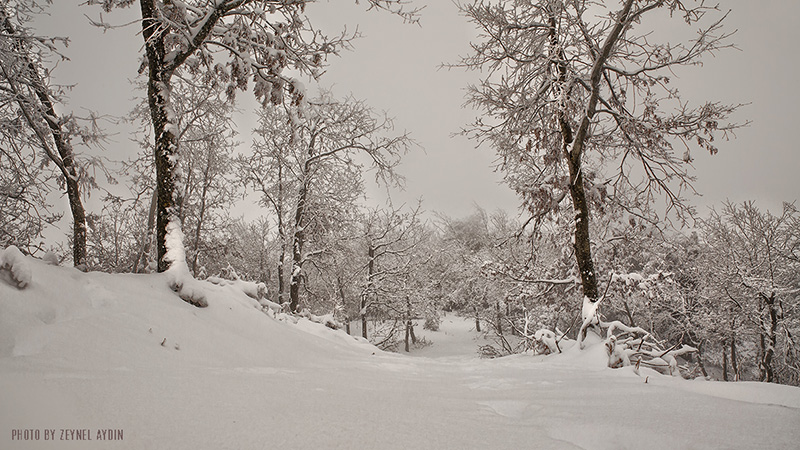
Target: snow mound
x=12, y=263
x=95, y=351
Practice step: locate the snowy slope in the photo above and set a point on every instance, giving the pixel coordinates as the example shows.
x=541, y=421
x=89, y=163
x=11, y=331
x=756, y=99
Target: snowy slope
x=84, y=352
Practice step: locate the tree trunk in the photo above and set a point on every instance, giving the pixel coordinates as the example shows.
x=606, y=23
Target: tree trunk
x=281, y=237
x=409, y=323
x=162, y=117
x=147, y=239
x=700, y=360
x=573, y=147
x=477, y=320
x=408, y=328
x=769, y=338
x=202, y=213
x=363, y=318
x=297, y=250
x=498, y=318
x=75, y=203
x=734, y=362
x=299, y=230
x=369, y=289
x=582, y=245
x=343, y=301
x=724, y=362
x=62, y=142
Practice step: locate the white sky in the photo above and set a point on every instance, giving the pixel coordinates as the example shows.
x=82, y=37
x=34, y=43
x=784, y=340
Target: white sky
x=395, y=67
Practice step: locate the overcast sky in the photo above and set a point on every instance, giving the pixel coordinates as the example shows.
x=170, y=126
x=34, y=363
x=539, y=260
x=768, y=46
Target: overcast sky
x=395, y=67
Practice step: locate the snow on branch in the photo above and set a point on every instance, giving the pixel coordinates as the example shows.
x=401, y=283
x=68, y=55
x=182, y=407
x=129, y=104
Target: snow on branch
x=626, y=345
x=180, y=278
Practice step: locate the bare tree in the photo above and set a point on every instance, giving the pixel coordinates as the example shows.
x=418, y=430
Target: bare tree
x=25, y=84
x=754, y=270
x=308, y=169
x=577, y=103
x=392, y=238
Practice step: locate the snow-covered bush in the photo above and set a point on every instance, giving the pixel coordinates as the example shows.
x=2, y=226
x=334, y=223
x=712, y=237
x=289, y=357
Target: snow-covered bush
x=625, y=345
x=13, y=264
x=432, y=323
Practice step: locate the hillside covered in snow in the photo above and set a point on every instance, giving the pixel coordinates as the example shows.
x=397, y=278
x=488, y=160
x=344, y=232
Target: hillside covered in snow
x=100, y=361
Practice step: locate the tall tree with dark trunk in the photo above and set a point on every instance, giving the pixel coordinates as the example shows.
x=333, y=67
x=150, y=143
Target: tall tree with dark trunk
x=576, y=101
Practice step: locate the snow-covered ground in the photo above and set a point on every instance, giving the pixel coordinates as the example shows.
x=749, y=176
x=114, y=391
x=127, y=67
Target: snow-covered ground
x=124, y=353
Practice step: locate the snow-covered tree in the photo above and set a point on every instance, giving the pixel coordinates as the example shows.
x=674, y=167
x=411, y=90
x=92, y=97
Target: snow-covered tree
x=233, y=41
x=28, y=103
x=754, y=278
x=308, y=170
x=577, y=103
x=206, y=134
x=392, y=241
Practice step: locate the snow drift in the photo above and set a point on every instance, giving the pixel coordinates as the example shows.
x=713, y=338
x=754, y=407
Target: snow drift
x=123, y=359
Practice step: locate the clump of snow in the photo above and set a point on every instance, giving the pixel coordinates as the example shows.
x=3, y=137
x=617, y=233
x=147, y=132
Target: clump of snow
x=589, y=317
x=12, y=262
x=256, y=291
x=326, y=320
x=51, y=258
x=179, y=277
x=548, y=338
x=185, y=285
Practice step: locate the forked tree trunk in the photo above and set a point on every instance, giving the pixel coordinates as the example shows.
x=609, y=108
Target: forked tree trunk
x=572, y=149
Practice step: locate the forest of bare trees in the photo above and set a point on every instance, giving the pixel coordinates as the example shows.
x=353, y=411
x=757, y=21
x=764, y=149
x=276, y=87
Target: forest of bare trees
x=575, y=100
